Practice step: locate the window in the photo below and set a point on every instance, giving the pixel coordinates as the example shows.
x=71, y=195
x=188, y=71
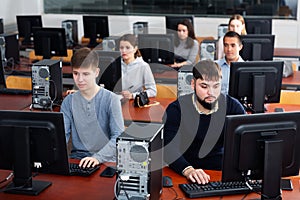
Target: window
x=275, y=8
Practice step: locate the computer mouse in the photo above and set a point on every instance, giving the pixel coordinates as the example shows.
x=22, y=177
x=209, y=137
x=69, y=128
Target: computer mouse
x=167, y=181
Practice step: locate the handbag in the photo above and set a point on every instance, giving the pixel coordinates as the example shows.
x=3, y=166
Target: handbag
x=141, y=99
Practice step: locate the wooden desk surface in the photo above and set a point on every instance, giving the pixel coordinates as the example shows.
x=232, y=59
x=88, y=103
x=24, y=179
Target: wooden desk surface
x=96, y=187
x=147, y=114
x=14, y=102
x=287, y=107
x=292, y=81
x=287, y=52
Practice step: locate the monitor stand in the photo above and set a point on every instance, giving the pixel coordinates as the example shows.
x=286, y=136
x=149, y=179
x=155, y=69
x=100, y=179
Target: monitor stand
x=272, y=170
x=22, y=181
x=36, y=188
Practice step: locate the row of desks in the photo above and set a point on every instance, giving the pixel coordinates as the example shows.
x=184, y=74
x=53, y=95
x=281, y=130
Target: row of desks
x=96, y=187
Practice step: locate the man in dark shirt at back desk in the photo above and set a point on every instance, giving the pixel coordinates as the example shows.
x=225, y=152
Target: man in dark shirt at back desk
x=193, y=132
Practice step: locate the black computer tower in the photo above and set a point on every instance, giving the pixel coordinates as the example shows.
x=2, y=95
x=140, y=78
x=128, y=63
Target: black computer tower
x=9, y=45
x=71, y=28
x=47, y=86
x=185, y=76
x=140, y=161
x=140, y=28
x=1, y=26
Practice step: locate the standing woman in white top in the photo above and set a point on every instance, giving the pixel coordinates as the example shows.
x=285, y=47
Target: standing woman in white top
x=186, y=45
x=237, y=24
x=136, y=73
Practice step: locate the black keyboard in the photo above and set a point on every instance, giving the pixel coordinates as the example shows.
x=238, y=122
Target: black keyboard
x=75, y=170
x=218, y=188
x=14, y=91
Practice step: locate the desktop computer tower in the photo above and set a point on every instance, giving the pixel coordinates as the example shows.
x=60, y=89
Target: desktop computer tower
x=185, y=76
x=140, y=162
x=222, y=29
x=208, y=49
x=71, y=29
x=111, y=43
x=9, y=45
x=1, y=26
x=140, y=28
x=46, y=84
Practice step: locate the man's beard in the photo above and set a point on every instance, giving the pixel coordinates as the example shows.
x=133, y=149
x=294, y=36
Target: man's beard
x=209, y=106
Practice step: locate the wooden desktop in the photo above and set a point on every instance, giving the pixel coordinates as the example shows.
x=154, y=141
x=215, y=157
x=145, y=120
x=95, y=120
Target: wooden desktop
x=96, y=187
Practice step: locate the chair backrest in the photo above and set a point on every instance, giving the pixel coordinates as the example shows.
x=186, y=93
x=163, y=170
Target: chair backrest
x=19, y=82
x=290, y=97
x=166, y=91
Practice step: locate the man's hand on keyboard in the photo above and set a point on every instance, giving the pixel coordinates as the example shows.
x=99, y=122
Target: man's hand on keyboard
x=197, y=175
x=88, y=162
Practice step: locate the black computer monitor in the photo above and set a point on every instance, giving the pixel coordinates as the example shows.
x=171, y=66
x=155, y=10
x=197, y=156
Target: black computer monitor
x=254, y=83
x=110, y=70
x=157, y=48
x=257, y=47
x=25, y=24
x=262, y=146
x=172, y=21
x=50, y=42
x=258, y=25
x=95, y=27
x=32, y=142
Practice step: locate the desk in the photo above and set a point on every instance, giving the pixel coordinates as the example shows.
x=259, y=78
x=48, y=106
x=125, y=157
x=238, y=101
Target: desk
x=287, y=107
x=292, y=81
x=147, y=114
x=96, y=187
x=287, y=53
x=14, y=102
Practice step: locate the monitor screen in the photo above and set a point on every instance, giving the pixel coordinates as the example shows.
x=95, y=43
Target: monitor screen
x=254, y=83
x=257, y=47
x=262, y=146
x=110, y=70
x=32, y=142
x=25, y=24
x=94, y=28
x=258, y=26
x=157, y=48
x=172, y=21
x=50, y=42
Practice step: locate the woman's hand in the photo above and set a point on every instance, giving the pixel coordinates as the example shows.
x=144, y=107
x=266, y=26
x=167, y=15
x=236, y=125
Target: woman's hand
x=127, y=95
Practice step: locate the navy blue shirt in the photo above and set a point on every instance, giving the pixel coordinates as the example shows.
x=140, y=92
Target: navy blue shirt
x=193, y=139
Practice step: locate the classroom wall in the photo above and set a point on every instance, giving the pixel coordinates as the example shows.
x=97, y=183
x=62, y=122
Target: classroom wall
x=287, y=31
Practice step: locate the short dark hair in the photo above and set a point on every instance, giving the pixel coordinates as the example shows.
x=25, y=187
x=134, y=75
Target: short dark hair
x=233, y=34
x=85, y=57
x=207, y=69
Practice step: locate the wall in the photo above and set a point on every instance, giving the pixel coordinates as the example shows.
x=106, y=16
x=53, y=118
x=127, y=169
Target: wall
x=287, y=31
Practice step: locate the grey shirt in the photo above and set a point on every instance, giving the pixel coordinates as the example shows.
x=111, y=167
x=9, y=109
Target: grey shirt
x=189, y=54
x=137, y=77
x=104, y=109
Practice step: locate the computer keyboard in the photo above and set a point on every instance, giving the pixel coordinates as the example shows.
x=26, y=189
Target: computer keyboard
x=218, y=188
x=14, y=91
x=75, y=170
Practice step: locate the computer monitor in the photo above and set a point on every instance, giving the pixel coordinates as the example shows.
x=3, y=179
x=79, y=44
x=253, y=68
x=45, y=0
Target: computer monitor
x=32, y=142
x=25, y=24
x=172, y=21
x=50, y=42
x=262, y=146
x=110, y=70
x=157, y=48
x=258, y=25
x=254, y=83
x=95, y=27
x=257, y=47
